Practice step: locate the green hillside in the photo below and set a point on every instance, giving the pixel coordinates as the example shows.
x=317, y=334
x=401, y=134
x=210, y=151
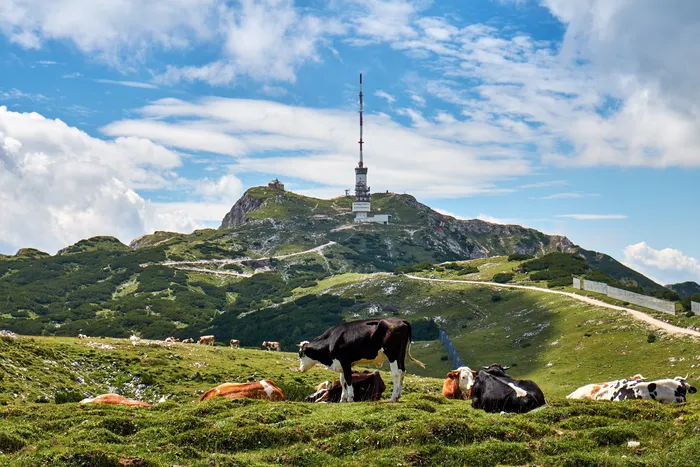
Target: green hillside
x=42, y=424
x=686, y=289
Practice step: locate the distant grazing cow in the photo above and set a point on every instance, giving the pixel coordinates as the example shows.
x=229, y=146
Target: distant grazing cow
x=495, y=391
x=171, y=340
x=135, y=340
x=368, y=386
x=82, y=336
x=114, y=399
x=263, y=389
x=272, y=345
x=341, y=346
x=458, y=384
x=602, y=391
x=235, y=343
x=189, y=340
x=206, y=340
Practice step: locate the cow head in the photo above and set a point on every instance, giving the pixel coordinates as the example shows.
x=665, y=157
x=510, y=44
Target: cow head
x=305, y=363
x=466, y=378
x=496, y=369
x=684, y=382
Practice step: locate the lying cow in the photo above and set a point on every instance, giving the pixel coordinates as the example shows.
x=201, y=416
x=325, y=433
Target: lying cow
x=263, y=389
x=342, y=346
x=272, y=345
x=602, y=391
x=189, y=340
x=458, y=384
x=368, y=386
x=495, y=391
x=135, y=340
x=662, y=390
x=209, y=340
x=114, y=399
x=172, y=340
x=235, y=343
x=82, y=336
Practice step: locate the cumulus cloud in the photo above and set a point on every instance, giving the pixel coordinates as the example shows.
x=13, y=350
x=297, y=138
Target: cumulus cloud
x=669, y=264
x=383, y=95
x=324, y=145
x=130, y=84
x=59, y=185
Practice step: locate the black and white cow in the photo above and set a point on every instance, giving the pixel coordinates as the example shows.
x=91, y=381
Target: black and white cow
x=495, y=391
x=662, y=390
x=347, y=344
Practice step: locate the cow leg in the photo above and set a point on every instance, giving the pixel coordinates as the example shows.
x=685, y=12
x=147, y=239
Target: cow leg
x=397, y=378
x=347, y=377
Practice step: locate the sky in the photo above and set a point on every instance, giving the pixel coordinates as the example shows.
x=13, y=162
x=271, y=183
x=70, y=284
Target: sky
x=574, y=117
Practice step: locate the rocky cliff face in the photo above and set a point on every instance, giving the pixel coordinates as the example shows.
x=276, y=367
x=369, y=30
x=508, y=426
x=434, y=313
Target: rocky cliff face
x=238, y=213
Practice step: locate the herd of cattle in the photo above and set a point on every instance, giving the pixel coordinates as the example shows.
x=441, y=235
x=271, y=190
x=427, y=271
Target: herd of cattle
x=373, y=341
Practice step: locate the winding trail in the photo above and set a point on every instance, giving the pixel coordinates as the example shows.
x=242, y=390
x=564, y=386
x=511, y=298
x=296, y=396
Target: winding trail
x=638, y=315
x=192, y=265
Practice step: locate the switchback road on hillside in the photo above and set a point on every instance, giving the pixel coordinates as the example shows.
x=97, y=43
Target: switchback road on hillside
x=657, y=323
x=192, y=265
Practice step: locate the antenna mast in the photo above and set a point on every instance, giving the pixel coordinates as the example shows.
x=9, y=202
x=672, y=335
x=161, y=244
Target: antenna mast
x=361, y=142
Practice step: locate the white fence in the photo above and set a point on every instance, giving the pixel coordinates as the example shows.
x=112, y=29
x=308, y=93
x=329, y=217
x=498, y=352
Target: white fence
x=657, y=304
x=695, y=307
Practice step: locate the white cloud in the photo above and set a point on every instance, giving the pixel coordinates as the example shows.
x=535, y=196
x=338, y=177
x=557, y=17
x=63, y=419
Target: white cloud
x=59, y=185
x=326, y=148
x=593, y=217
x=495, y=220
x=669, y=264
x=418, y=100
x=116, y=30
x=567, y=196
x=445, y=212
x=545, y=184
x=381, y=94
x=130, y=84
x=72, y=75
x=274, y=91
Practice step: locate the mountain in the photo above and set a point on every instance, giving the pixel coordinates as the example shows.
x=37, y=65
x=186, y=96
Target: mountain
x=271, y=250
x=610, y=266
x=685, y=289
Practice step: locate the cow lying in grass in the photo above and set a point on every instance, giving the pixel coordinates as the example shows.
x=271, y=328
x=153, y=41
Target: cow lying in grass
x=495, y=391
x=458, y=384
x=368, y=386
x=263, y=389
x=663, y=390
x=114, y=399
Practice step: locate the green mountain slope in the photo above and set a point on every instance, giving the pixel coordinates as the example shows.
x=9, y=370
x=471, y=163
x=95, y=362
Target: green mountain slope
x=617, y=270
x=685, y=289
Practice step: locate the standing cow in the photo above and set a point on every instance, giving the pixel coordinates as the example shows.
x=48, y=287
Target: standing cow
x=495, y=391
x=208, y=340
x=234, y=343
x=270, y=345
x=340, y=347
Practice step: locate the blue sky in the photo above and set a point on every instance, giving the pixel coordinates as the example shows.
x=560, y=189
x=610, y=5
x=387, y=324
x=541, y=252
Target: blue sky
x=575, y=117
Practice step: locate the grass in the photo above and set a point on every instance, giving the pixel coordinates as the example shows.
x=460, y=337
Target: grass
x=423, y=429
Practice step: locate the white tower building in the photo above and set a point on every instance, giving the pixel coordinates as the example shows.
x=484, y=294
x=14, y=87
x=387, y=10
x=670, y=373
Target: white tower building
x=361, y=206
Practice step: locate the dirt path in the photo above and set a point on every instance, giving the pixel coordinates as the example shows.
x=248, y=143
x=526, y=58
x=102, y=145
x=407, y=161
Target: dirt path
x=638, y=315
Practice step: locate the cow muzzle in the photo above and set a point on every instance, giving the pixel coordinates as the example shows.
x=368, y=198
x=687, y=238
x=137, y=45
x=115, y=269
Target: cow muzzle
x=692, y=390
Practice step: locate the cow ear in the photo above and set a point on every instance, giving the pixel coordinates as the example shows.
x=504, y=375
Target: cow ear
x=474, y=374
x=485, y=367
x=506, y=368
x=452, y=374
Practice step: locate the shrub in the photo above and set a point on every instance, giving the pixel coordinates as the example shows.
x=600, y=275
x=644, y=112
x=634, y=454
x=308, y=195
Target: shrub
x=496, y=298
x=519, y=257
x=443, y=358
x=503, y=277
x=651, y=338
x=66, y=396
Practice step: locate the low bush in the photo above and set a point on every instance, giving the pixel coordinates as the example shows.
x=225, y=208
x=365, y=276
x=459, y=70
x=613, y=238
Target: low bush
x=503, y=277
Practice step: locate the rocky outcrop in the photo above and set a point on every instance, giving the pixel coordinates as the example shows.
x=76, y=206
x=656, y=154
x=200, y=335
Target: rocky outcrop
x=238, y=214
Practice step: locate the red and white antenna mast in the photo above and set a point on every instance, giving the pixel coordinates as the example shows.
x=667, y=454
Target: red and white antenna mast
x=361, y=142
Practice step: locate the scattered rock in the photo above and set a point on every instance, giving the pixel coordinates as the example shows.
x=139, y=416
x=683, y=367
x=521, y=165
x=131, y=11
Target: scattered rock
x=633, y=444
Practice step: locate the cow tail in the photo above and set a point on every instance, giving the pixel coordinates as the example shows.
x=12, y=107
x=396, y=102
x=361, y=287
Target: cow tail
x=408, y=348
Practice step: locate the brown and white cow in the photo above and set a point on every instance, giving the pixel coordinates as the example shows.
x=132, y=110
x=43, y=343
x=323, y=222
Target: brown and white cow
x=172, y=340
x=263, y=389
x=209, y=340
x=602, y=391
x=235, y=343
x=368, y=386
x=272, y=345
x=189, y=340
x=341, y=346
x=114, y=399
x=458, y=384
x=82, y=336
